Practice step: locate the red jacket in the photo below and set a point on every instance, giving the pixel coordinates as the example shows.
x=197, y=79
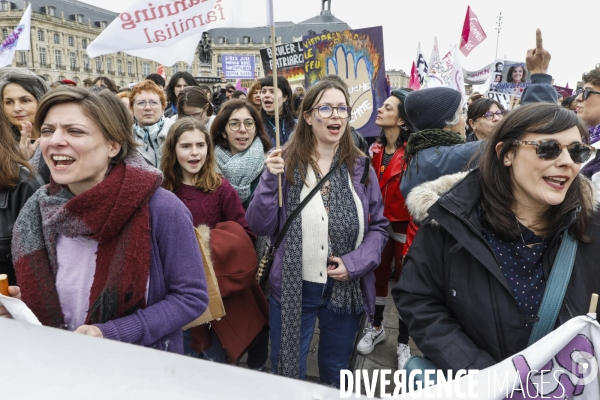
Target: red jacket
x=394, y=208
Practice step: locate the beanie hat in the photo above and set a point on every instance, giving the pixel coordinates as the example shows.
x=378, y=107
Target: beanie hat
x=430, y=108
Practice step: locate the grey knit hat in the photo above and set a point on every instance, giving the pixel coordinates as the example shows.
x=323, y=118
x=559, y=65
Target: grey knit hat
x=430, y=108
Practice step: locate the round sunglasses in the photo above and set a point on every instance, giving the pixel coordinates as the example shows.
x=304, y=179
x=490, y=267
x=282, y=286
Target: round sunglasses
x=551, y=149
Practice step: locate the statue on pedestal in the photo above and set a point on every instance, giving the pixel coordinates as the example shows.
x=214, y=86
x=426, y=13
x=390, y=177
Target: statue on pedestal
x=205, y=51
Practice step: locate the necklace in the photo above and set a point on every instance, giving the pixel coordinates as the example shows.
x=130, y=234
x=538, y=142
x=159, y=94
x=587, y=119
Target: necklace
x=531, y=246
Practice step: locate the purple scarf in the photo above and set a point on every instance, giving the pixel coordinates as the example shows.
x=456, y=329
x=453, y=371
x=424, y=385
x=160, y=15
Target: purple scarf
x=593, y=166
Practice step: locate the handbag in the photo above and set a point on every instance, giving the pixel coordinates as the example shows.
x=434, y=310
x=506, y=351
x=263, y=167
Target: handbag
x=215, y=309
x=552, y=301
x=264, y=266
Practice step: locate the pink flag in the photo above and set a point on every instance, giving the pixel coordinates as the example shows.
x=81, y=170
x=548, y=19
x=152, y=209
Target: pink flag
x=472, y=33
x=414, y=78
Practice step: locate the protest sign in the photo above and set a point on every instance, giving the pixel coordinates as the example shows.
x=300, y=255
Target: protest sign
x=478, y=77
x=18, y=39
x=168, y=31
x=562, y=365
x=509, y=77
x=435, y=53
x=356, y=56
x=421, y=64
x=237, y=66
x=290, y=61
x=447, y=72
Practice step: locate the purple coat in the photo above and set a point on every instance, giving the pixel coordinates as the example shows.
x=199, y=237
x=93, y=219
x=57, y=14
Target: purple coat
x=266, y=219
x=177, y=292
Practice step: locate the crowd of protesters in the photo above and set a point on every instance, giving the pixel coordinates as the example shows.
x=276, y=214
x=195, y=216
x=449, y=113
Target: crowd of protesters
x=101, y=190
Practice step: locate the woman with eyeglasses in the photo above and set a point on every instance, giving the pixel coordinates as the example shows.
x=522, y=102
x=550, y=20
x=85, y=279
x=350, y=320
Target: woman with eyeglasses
x=240, y=146
x=482, y=117
x=388, y=161
x=193, y=102
x=147, y=102
x=478, y=269
x=324, y=267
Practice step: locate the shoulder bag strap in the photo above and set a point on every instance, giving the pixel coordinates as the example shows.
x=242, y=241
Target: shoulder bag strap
x=302, y=205
x=556, y=287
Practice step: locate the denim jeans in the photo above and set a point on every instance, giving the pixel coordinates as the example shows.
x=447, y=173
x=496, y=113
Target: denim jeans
x=337, y=332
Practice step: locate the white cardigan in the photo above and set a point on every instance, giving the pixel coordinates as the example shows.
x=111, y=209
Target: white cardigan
x=315, y=227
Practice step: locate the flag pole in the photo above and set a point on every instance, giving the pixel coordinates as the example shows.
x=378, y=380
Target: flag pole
x=276, y=100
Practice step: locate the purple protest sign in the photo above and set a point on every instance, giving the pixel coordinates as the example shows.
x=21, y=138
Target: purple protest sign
x=238, y=66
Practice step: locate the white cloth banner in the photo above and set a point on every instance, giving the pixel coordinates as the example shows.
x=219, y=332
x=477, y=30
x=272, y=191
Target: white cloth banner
x=435, y=53
x=447, y=72
x=562, y=365
x=168, y=31
x=421, y=65
x=478, y=77
x=18, y=39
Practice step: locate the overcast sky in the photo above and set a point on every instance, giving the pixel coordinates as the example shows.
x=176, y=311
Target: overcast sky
x=569, y=28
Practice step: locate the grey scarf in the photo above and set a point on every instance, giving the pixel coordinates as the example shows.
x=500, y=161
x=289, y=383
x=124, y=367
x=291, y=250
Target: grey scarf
x=147, y=137
x=243, y=168
x=343, y=232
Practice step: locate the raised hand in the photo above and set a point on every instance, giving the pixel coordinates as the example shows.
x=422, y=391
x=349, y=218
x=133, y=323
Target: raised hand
x=356, y=75
x=538, y=59
x=27, y=148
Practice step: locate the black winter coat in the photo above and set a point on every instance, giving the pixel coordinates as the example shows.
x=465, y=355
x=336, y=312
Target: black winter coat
x=11, y=202
x=456, y=302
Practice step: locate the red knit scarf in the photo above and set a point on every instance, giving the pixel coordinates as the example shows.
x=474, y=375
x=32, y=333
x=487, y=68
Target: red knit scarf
x=114, y=213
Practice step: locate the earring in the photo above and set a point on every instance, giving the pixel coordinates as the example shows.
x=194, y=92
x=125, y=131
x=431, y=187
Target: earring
x=507, y=163
x=404, y=127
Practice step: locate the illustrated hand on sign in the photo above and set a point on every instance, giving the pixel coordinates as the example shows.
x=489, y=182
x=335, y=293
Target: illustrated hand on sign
x=357, y=77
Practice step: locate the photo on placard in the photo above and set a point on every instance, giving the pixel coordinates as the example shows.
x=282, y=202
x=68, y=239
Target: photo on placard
x=512, y=79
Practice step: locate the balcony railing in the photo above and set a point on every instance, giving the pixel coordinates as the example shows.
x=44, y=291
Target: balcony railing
x=76, y=69
x=21, y=64
x=62, y=67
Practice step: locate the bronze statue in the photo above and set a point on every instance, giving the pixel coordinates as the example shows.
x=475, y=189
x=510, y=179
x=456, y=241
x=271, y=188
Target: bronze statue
x=205, y=53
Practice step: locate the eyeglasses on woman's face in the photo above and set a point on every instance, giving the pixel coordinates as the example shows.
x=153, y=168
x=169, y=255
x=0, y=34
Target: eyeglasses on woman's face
x=490, y=115
x=551, y=149
x=141, y=104
x=197, y=115
x=235, y=124
x=327, y=111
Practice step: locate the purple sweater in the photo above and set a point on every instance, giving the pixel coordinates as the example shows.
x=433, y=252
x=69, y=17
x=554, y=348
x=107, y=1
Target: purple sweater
x=177, y=291
x=266, y=219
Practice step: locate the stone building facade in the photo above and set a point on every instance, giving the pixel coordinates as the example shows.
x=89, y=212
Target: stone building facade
x=398, y=78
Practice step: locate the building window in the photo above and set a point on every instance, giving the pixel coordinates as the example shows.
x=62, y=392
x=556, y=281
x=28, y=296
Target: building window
x=84, y=43
x=23, y=57
x=122, y=85
x=98, y=65
x=219, y=71
x=175, y=69
x=188, y=68
x=86, y=62
x=73, y=60
x=71, y=41
x=79, y=18
x=120, y=66
x=58, y=58
x=43, y=56
x=109, y=68
x=129, y=67
x=52, y=11
x=246, y=39
x=146, y=67
x=56, y=38
x=220, y=40
x=6, y=5
x=4, y=34
x=102, y=24
x=41, y=37
x=61, y=78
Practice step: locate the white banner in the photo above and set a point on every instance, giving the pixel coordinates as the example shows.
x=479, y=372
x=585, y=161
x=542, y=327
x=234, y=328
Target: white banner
x=447, y=72
x=168, y=31
x=562, y=365
x=18, y=39
x=421, y=65
x=478, y=77
x=435, y=53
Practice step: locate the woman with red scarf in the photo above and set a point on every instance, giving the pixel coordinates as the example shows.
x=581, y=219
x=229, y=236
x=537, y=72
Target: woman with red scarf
x=103, y=250
x=388, y=160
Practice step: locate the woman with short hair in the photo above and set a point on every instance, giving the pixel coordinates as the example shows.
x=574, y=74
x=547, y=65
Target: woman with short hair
x=325, y=264
x=147, y=103
x=482, y=117
x=103, y=250
x=477, y=272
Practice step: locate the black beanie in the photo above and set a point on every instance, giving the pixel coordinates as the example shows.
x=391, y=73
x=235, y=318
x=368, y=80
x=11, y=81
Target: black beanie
x=432, y=107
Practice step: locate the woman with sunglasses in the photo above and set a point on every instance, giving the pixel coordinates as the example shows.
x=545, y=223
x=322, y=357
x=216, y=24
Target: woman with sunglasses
x=482, y=117
x=324, y=267
x=147, y=102
x=477, y=271
x=240, y=145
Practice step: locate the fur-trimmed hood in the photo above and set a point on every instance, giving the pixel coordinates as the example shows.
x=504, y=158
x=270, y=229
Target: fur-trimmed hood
x=422, y=197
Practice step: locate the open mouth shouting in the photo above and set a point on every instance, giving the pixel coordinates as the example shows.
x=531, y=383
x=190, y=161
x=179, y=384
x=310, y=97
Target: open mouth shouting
x=194, y=163
x=334, y=129
x=556, y=182
x=61, y=162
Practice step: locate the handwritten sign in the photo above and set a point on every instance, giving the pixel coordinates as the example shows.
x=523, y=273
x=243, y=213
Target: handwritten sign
x=237, y=66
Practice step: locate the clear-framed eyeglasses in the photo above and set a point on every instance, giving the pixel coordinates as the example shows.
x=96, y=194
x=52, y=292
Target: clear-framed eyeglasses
x=327, y=111
x=235, y=125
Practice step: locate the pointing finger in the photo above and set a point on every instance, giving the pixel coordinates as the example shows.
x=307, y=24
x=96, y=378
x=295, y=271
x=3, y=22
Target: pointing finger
x=539, y=43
